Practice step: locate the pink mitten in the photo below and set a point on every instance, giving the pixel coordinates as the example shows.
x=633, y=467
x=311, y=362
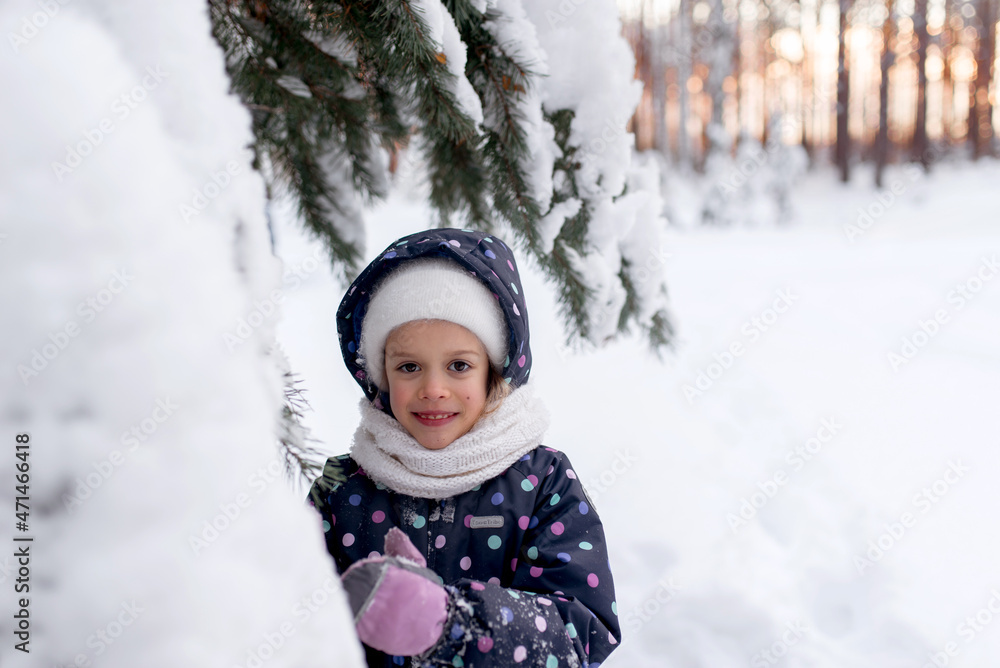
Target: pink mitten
x=399, y=607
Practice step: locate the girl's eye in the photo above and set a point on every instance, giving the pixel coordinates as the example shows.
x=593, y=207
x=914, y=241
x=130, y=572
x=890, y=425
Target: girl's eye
x=403, y=368
x=464, y=365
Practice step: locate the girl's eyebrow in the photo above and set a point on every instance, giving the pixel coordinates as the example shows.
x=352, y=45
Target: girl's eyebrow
x=402, y=353
x=467, y=353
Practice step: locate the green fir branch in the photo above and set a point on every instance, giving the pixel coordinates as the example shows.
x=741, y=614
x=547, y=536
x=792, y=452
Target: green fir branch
x=303, y=462
x=311, y=132
x=451, y=141
x=498, y=77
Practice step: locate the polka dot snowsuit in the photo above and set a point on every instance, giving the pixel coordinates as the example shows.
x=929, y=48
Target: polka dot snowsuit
x=525, y=549
x=523, y=555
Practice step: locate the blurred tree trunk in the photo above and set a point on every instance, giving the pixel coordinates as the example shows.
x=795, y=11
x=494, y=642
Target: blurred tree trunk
x=719, y=58
x=810, y=99
x=657, y=71
x=882, y=139
x=920, y=143
x=770, y=96
x=981, y=109
x=717, y=53
x=843, y=139
x=738, y=71
x=971, y=21
x=946, y=40
x=683, y=75
x=637, y=35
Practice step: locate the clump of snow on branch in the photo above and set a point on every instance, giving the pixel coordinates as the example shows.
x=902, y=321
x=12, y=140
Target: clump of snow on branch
x=597, y=85
x=552, y=222
x=644, y=246
x=516, y=35
x=443, y=33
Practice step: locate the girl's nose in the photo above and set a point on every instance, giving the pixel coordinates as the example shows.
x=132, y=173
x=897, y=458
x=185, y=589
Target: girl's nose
x=434, y=386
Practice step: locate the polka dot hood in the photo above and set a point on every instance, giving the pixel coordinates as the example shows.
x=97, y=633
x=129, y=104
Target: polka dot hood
x=484, y=255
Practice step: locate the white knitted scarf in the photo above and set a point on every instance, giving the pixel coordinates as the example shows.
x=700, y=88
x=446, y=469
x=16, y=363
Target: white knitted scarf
x=391, y=456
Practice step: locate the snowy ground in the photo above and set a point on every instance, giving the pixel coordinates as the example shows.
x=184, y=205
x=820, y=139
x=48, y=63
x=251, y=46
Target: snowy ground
x=736, y=540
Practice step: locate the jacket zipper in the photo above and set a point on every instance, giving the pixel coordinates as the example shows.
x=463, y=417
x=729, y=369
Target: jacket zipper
x=429, y=532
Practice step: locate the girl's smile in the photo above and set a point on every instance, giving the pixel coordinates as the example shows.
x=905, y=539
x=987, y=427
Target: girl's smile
x=435, y=420
x=437, y=373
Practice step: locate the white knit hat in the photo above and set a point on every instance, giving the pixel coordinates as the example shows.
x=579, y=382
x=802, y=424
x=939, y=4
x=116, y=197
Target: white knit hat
x=430, y=288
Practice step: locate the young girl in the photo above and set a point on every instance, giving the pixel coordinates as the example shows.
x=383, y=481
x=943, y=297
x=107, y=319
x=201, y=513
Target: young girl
x=461, y=540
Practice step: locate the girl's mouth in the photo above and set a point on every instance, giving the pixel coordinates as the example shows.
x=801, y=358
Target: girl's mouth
x=434, y=419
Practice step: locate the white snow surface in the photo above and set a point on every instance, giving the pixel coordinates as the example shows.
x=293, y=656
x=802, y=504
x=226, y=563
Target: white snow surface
x=149, y=427
x=698, y=585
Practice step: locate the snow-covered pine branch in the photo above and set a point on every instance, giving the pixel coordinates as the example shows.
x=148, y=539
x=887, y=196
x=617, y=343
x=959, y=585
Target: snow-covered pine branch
x=517, y=117
x=607, y=248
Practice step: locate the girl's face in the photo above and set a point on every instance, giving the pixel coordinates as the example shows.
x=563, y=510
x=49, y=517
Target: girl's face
x=437, y=373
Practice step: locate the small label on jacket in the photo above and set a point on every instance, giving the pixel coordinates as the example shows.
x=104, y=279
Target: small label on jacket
x=488, y=522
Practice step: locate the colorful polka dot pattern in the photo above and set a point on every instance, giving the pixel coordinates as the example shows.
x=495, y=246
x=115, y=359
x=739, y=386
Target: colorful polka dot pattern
x=484, y=255
x=539, y=585
x=507, y=630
